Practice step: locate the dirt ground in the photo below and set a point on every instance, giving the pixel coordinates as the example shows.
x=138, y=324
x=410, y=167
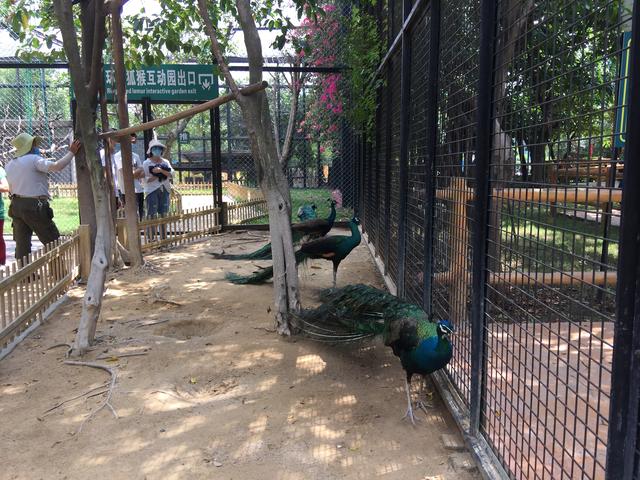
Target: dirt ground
x=217, y=394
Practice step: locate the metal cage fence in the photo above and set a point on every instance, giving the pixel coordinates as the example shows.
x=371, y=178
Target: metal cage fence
x=503, y=214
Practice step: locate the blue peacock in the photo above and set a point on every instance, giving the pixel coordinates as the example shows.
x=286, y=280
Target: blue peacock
x=310, y=229
x=334, y=248
x=360, y=311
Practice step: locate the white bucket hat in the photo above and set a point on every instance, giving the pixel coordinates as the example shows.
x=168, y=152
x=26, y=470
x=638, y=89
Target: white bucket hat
x=23, y=143
x=155, y=143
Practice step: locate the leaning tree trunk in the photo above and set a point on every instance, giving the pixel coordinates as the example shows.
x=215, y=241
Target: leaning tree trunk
x=271, y=178
x=86, y=94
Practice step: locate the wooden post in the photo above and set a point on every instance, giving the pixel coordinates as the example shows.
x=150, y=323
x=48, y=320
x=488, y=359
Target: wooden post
x=126, y=159
x=84, y=231
x=224, y=214
x=458, y=259
x=121, y=232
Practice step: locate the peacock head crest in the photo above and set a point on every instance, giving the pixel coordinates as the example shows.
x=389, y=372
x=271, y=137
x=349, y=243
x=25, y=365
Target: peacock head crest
x=332, y=201
x=355, y=220
x=445, y=328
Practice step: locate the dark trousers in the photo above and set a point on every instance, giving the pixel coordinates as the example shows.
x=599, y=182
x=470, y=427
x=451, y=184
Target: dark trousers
x=31, y=215
x=139, y=202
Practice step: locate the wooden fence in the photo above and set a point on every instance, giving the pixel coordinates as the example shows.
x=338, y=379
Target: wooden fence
x=239, y=213
x=175, y=229
x=28, y=291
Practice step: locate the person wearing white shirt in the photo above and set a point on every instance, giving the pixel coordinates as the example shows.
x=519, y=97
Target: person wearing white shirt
x=157, y=176
x=138, y=177
x=29, y=187
x=114, y=173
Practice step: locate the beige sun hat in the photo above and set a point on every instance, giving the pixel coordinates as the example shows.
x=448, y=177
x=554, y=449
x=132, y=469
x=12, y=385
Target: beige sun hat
x=155, y=143
x=23, y=143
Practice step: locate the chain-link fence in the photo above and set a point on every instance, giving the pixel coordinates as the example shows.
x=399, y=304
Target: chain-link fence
x=38, y=101
x=491, y=193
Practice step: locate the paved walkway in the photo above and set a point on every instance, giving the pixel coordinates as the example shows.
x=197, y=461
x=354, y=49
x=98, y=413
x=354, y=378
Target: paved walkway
x=11, y=247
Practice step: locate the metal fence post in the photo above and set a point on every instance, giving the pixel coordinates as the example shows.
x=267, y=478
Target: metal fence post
x=625, y=381
x=405, y=92
x=488, y=12
x=432, y=142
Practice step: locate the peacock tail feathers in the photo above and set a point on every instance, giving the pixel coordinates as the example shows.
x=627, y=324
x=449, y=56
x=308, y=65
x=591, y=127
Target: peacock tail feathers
x=355, y=312
x=256, y=278
x=263, y=253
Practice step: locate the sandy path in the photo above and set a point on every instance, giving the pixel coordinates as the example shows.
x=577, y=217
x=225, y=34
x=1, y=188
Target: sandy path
x=217, y=396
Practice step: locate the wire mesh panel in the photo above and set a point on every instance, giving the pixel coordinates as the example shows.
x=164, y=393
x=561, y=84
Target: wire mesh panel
x=317, y=136
x=393, y=182
x=554, y=221
x=418, y=152
x=383, y=127
x=453, y=165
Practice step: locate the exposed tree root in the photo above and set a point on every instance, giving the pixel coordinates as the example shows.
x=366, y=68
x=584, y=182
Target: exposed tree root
x=107, y=401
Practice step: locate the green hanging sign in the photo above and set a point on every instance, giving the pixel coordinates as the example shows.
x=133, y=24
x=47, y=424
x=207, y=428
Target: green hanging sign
x=622, y=109
x=176, y=83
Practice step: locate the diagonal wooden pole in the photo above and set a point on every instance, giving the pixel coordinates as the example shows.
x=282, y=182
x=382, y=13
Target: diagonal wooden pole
x=203, y=107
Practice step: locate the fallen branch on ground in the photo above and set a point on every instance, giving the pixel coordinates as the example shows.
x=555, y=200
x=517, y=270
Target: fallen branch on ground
x=107, y=401
x=120, y=355
x=150, y=323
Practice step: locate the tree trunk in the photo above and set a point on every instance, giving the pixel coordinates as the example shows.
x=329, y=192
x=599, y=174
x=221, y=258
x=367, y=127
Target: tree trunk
x=86, y=94
x=275, y=188
x=255, y=111
x=92, y=303
x=131, y=207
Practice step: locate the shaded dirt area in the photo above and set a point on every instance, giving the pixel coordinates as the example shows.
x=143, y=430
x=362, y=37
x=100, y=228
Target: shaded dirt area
x=217, y=395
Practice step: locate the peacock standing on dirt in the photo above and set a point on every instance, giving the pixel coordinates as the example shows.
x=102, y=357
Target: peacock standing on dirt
x=307, y=212
x=334, y=248
x=359, y=311
x=310, y=229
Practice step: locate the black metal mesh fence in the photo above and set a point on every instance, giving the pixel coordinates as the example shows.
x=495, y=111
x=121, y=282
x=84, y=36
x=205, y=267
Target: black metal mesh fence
x=534, y=335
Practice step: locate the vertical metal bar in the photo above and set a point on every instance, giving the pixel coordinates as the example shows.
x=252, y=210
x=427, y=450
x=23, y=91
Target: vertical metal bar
x=387, y=168
x=405, y=91
x=147, y=116
x=216, y=187
x=432, y=148
x=488, y=13
x=625, y=379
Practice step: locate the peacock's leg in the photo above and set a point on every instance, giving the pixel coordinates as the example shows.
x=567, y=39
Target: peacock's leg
x=409, y=413
x=335, y=273
x=428, y=393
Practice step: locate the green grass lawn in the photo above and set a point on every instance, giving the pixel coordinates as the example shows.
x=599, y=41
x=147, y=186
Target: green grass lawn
x=65, y=215
x=320, y=197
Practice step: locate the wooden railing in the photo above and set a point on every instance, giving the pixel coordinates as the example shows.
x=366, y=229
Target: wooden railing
x=175, y=229
x=64, y=190
x=27, y=291
x=244, y=212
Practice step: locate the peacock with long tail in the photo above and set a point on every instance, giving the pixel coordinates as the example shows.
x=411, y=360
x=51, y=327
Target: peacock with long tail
x=356, y=312
x=310, y=229
x=334, y=248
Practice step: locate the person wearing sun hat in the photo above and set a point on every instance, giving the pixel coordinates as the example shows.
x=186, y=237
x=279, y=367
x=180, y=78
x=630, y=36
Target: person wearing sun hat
x=29, y=191
x=157, y=185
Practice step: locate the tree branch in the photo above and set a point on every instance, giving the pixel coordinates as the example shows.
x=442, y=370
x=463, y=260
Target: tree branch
x=64, y=12
x=251, y=40
x=96, y=53
x=215, y=47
